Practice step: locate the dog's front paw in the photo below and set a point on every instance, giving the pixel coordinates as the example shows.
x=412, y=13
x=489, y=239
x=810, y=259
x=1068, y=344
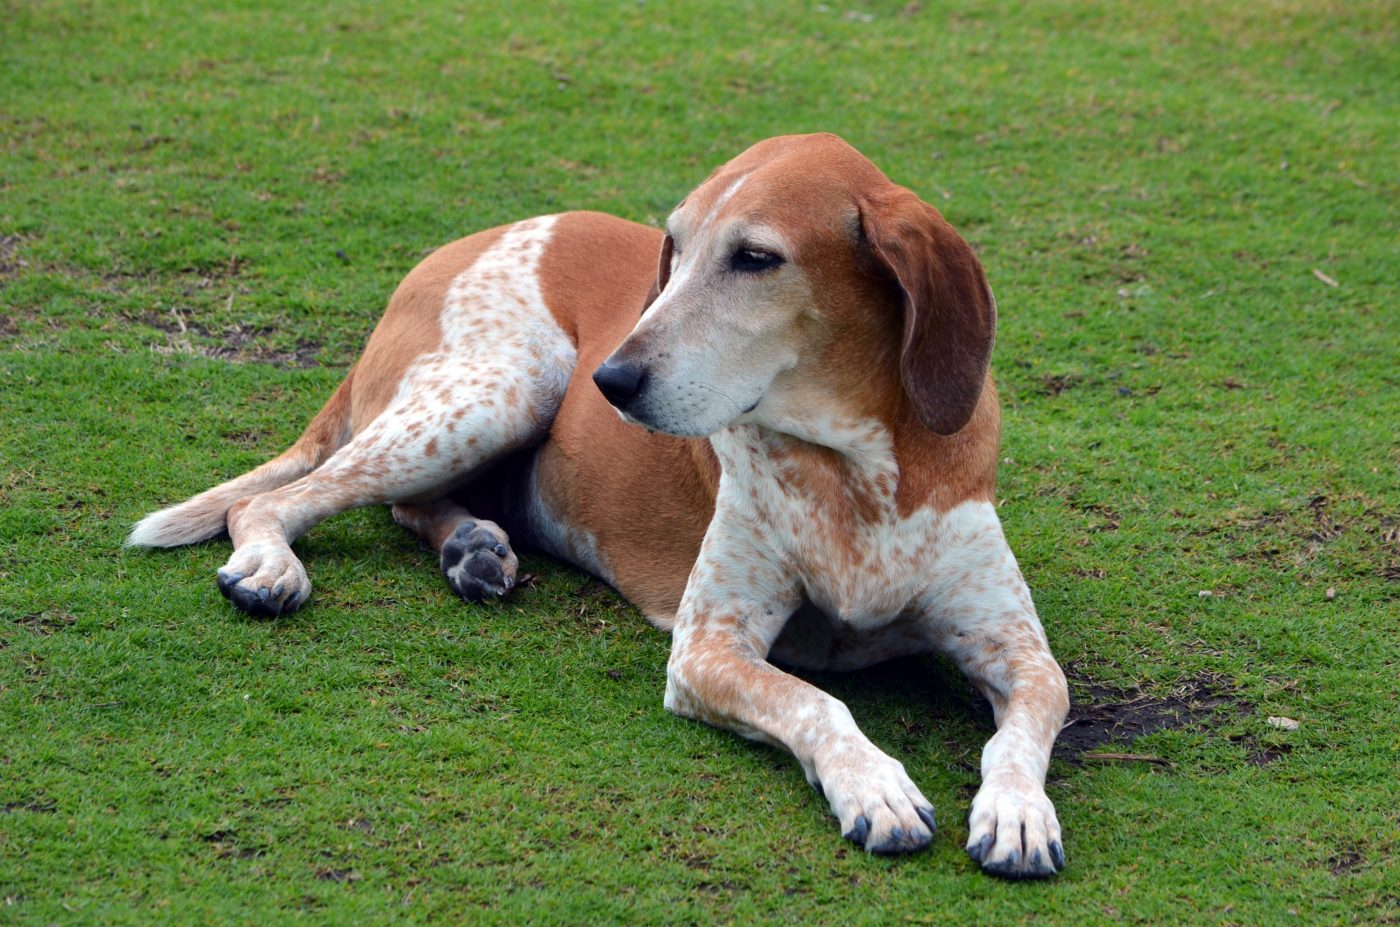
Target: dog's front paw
x=265, y=580
x=879, y=807
x=478, y=562
x=1013, y=831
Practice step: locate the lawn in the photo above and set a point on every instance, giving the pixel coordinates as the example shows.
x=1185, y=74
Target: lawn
x=1189, y=213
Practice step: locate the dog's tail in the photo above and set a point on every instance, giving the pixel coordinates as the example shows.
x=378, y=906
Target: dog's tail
x=205, y=515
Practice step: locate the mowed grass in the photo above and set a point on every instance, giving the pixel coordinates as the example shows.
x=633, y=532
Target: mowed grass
x=1188, y=213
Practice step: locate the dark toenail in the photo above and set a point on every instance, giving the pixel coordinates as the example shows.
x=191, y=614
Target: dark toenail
x=926, y=815
x=501, y=550
x=1057, y=854
x=226, y=581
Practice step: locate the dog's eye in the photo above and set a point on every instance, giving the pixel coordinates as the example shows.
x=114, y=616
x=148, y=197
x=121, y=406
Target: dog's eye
x=753, y=261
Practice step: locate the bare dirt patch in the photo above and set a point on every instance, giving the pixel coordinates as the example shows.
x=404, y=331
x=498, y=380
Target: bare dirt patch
x=1103, y=716
x=1053, y=384
x=11, y=264
x=1345, y=862
x=48, y=622
x=1294, y=535
x=1260, y=754
x=226, y=845
x=235, y=343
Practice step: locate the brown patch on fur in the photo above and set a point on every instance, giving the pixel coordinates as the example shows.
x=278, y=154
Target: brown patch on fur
x=646, y=497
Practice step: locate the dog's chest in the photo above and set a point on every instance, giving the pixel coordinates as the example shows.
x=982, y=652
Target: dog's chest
x=835, y=525
x=863, y=575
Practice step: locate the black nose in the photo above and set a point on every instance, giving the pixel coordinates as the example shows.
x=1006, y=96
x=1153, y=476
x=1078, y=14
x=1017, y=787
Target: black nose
x=620, y=382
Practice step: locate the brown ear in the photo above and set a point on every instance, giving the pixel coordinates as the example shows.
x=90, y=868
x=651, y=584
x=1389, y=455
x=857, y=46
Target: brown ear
x=663, y=273
x=949, y=313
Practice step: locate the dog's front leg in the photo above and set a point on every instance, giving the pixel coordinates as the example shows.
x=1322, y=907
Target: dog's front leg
x=738, y=599
x=985, y=620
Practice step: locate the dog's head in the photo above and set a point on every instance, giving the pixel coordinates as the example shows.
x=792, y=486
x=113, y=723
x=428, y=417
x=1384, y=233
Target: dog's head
x=798, y=277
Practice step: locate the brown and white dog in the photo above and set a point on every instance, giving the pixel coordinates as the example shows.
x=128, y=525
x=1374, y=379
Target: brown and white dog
x=811, y=485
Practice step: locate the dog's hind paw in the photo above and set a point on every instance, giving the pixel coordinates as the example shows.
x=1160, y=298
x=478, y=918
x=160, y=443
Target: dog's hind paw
x=264, y=580
x=478, y=562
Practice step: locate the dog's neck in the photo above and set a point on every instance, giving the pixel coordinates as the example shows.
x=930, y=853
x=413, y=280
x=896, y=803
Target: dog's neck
x=845, y=467
x=869, y=466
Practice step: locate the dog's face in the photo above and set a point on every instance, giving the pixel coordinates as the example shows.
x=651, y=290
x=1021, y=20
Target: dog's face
x=794, y=252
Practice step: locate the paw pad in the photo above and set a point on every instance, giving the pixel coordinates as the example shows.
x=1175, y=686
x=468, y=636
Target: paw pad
x=476, y=564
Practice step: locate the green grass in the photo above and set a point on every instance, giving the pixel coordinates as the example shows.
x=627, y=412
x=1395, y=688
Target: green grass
x=202, y=213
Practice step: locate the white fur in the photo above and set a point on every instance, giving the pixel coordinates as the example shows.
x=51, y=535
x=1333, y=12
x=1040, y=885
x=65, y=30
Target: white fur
x=498, y=339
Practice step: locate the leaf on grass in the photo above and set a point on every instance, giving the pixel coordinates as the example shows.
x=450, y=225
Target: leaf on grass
x=1284, y=724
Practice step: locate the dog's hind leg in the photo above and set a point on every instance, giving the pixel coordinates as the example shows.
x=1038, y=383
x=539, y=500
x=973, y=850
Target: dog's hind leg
x=474, y=553
x=491, y=385
x=205, y=516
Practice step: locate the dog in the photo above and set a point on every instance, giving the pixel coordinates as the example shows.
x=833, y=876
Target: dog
x=771, y=427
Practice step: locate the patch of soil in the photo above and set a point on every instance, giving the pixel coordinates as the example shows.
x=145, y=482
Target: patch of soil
x=11, y=264
x=236, y=343
x=1262, y=755
x=1292, y=536
x=226, y=846
x=1388, y=530
x=48, y=622
x=1344, y=862
x=1102, y=715
x=1111, y=519
x=1325, y=527
x=1053, y=384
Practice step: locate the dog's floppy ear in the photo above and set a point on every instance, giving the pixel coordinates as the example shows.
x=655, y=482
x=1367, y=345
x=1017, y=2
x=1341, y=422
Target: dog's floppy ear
x=663, y=273
x=949, y=313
